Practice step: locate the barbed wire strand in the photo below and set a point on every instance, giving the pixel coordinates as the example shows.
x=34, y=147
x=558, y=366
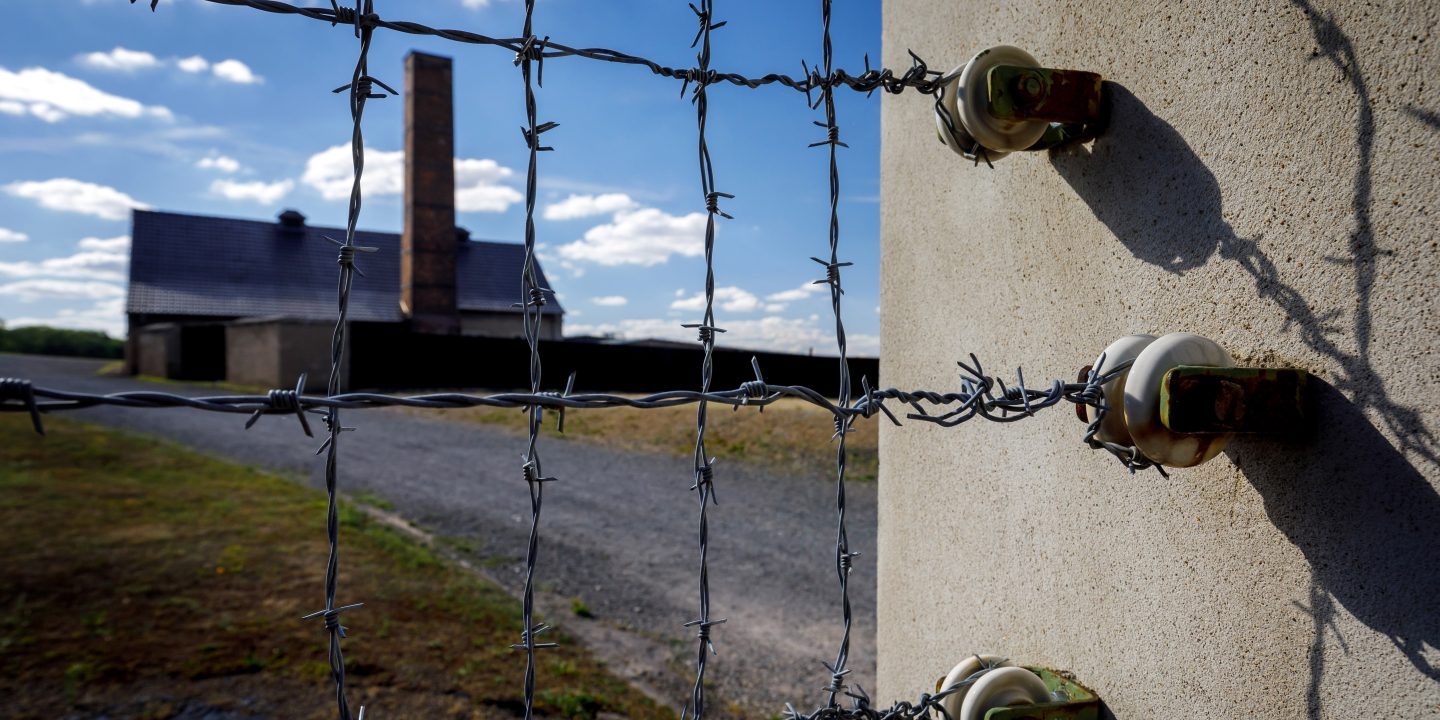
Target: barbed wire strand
x=917, y=77
x=530, y=59
x=361, y=89
x=844, y=557
x=704, y=471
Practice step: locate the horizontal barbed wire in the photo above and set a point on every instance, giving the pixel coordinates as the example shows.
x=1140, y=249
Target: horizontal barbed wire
x=917, y=77
x=981, y=396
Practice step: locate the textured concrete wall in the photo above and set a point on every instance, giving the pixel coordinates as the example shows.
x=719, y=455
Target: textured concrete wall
x=273, y=353
x=1269, y=181
x=157, y=350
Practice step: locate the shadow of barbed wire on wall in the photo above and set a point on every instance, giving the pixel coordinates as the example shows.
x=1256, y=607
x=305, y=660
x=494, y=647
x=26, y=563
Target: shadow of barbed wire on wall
x=1350, y=498
x=1429, y=117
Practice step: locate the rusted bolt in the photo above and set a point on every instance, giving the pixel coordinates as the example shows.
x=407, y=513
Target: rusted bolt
x=1029, y=88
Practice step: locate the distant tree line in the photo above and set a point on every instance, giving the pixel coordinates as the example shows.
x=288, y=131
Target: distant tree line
x=41, y=340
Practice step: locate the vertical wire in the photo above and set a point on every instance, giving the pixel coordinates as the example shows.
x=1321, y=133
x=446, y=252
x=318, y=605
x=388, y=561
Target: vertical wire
x=532, y=303
x=360, y=91
x=843, y=556
x=704, y=465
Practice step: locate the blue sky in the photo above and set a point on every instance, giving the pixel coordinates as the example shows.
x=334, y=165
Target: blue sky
x=220, y=110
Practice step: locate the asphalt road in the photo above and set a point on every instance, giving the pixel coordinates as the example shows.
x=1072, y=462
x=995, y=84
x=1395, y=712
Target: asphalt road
x=618, y=531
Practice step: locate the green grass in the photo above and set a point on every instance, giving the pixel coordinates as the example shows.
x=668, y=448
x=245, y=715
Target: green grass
x=791, y=435
x=131, y=564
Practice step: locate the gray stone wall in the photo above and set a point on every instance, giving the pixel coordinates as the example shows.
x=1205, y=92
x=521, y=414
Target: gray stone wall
x=1268, y=181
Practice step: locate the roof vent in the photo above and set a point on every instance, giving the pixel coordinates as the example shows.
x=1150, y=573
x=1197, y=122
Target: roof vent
x=292, y=219
x=462, y=235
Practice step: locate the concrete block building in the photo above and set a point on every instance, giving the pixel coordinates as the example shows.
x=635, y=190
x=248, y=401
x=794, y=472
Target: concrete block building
x=254, y=302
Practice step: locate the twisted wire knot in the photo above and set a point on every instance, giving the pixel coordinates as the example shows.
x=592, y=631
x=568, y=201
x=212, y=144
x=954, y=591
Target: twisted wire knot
x=832, y=273
x=846, y=560
x=712, y=203
x=837, y=678
x=284, y=399
x=22, y=391
x=364, y=87
x=331, y=618
x=703, y=15
x=702, y=630
x=705, y=332
x=531, y=471
x=527, y=638
x=533, y=48
x=702, y=77
x=532, y=139
x=341, y=14
x=832, y=135
x=754, y=389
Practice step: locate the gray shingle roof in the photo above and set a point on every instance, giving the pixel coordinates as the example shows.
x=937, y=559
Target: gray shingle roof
x=222, y=267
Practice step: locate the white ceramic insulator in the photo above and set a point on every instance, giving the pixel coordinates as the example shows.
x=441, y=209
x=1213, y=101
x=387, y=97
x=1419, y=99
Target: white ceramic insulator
x=1124, y=350
x=1004, y=687
x=992, y=132
x=953, y=133
x=1142, y=400
x=967, y=667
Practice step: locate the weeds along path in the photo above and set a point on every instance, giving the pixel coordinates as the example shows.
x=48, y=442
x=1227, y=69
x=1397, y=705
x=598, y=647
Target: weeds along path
x=618, y=541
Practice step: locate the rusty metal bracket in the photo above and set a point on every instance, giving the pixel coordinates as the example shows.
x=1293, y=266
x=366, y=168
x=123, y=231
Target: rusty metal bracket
x=1057, y=96
x=1072, y=701
x=1210, y=400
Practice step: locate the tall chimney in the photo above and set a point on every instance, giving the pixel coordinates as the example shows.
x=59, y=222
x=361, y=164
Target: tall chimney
x=428, y=248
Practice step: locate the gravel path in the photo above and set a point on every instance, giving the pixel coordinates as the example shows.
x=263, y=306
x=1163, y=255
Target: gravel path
x=617, y=531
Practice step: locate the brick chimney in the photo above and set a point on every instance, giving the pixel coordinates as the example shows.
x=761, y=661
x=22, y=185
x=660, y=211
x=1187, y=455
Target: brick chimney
x=427, y=246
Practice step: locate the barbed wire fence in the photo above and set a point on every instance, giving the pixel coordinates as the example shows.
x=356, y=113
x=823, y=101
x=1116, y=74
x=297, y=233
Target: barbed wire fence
x=980, y=395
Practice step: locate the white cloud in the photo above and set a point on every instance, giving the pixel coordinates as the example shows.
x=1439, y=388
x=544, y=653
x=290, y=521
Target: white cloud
x=236, y=72
x=120, y=60
x=107, y=316
x=475, y=4
x=42, y=289
x=53, y=96
x=732, y=299
x=258, y=192
x=115, y=244
x=646, y=236
x=123, y=60
x=219, y=162
x=88, y=265
x=69, y=195
x=477, y=182
x=11, y=236
x=610, y=300
x=800, y=293
x=478, y=188
x=579, y=206
x=778, y=334
x=193, y=64
x=774, y=307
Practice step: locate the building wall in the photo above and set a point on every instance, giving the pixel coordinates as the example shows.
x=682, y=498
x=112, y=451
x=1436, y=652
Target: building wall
x=273, y=353
x=156, y=350
x=1268, y=181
